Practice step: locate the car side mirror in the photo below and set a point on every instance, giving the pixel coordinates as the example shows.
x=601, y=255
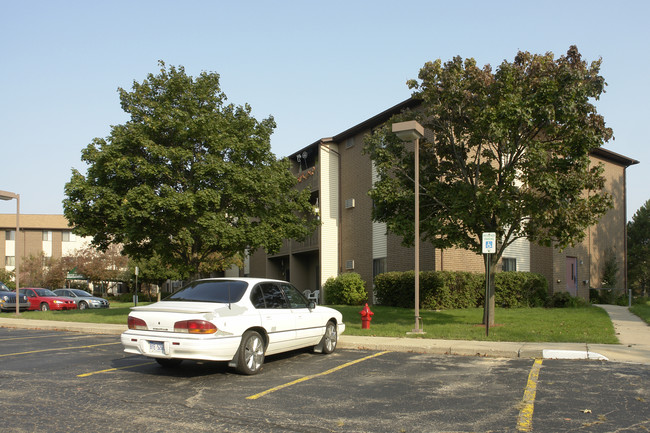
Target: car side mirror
x=311, y=305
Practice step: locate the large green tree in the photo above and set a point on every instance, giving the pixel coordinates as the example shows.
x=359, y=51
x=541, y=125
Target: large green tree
x=504, y=151
x=638, y=249
x=188, y=178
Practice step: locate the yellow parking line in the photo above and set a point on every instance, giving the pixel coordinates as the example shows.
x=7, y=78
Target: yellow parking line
x=25, y=338
x=114, y=369
x=57, y=348
x=303, y=379
x=525, y=421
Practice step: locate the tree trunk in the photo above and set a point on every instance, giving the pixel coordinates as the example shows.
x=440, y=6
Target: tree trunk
x=490, y=261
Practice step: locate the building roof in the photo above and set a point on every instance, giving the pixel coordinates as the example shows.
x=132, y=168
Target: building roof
x=614, y=157
x=412, y=103
x=35, y=222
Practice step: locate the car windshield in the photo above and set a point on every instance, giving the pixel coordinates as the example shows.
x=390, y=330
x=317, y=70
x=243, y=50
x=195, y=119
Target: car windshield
x=4, y=288
x=81, y=293
x=223, y=291
x=45, y=292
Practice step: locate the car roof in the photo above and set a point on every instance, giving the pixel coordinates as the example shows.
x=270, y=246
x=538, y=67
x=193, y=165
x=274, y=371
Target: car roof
x=249, y=280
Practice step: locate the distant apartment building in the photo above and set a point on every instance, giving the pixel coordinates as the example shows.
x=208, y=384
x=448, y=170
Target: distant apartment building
x=340, y=175
x=47, y=234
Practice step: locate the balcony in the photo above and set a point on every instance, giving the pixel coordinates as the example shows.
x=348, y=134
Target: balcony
x=312, y=242
x=308, y=178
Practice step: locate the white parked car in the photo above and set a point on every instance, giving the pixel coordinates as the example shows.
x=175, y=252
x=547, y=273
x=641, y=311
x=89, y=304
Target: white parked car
x=239, y=320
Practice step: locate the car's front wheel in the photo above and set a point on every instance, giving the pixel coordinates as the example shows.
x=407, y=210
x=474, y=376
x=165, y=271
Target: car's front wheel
x=251, y=353
x=83, y=305
x=44, y=307
x=330, y=338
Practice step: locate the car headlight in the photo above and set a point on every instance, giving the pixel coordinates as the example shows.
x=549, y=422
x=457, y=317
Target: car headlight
x=5, y=298
x=58, y=302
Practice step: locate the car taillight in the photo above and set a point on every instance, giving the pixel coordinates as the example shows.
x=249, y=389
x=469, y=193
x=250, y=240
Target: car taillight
x=195, y=327
x=135, y=323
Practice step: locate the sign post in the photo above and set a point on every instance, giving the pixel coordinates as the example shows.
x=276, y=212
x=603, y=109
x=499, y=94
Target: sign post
x=489, y=243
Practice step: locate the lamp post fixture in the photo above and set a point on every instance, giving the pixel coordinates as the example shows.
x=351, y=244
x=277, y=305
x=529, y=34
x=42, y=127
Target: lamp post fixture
x=6, y=195
x=413, y=131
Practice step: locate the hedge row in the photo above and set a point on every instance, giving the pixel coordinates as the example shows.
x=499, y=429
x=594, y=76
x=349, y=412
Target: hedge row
x=441, y=290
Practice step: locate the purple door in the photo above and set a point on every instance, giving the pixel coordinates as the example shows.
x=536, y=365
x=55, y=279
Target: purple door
x=572, y=276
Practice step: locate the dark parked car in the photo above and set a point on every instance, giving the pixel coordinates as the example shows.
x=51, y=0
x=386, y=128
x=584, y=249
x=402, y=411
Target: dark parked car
x=82, y=298
x=8, y=299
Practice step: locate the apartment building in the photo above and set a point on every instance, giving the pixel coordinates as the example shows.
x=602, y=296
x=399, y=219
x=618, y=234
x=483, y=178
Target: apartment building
x=340, y=176
x=49, y=234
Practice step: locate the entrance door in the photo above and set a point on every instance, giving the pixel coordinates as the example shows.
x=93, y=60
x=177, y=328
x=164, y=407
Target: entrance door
x=572, y=275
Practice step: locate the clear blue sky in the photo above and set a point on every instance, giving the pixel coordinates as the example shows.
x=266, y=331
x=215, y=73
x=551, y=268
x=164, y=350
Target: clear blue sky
x=317, y=67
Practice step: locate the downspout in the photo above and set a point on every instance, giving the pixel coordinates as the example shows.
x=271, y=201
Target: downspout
x=625, y=230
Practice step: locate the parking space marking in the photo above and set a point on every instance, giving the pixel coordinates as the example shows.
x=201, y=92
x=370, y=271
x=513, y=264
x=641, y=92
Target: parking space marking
x=305, y=378
x=114, y=369
x=525, y=420
x=25, y=338
x=58, y=348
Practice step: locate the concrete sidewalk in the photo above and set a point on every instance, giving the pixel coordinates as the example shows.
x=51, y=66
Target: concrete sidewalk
x=632, y=332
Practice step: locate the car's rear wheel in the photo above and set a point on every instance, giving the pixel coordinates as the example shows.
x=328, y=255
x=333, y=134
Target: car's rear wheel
x=169, y=363
x=251, y=353
x=83, y=305
x=44, y=307
x=330, y=338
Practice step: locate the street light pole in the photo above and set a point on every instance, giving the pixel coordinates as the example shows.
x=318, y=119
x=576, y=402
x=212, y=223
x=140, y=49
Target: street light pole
x=6, y=195
x=413, y=131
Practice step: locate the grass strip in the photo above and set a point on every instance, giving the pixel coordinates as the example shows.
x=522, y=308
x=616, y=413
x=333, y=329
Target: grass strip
x=572, y=325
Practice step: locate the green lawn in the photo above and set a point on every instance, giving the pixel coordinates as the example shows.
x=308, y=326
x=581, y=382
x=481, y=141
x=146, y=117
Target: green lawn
x=584, y=325
x=642, y=310
x=116, y=314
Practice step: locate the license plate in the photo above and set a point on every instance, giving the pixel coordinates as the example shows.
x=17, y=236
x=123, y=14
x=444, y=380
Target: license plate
x=156, y=347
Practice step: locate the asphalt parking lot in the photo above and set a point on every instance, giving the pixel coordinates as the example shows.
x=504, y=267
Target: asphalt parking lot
x=64, y=381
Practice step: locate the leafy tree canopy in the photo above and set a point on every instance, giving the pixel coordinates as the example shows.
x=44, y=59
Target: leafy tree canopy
x=504, y=151
x=638, y=248
x=188, y=178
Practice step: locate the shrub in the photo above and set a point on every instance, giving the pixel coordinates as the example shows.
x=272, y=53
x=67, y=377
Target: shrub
x=520, y=289
x=607, y=296
x=395, y=289
x=128, y=297
x=565, y=300
x=443, y=290
x=345, y=289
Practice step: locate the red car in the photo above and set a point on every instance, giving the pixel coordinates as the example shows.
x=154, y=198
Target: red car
x=44, y=299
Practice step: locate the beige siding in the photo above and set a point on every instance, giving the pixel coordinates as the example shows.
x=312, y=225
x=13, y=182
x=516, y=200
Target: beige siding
x=520, y=250
x=329, y=212
x=379, y=236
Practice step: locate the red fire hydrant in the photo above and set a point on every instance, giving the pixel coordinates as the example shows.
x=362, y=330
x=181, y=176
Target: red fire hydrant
x=366, y=317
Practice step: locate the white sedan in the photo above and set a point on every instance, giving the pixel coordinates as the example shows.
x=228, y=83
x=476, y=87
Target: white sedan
x=239, y=320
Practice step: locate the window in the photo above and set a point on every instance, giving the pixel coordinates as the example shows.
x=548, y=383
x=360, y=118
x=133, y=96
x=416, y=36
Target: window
x=66, y=236
x=378, y=267
x=10, y=235
x=273, y=296
x=296, y=299
x=224, y=292
x=46, y=235
x=10, y=261
x=508, y=264
x=257, y=298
